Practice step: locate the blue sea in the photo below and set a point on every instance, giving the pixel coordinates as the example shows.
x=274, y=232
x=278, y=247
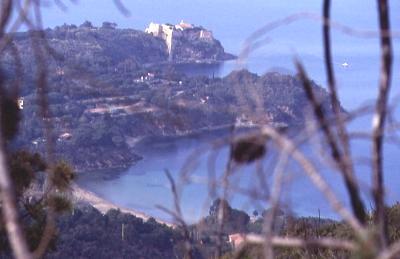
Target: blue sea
x=144, y=186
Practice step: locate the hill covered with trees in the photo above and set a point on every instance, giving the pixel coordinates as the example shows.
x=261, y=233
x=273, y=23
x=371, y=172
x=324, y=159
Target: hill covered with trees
x=109, y=87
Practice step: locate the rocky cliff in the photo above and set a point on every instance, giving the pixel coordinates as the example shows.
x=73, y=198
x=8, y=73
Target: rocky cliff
x=187, y=43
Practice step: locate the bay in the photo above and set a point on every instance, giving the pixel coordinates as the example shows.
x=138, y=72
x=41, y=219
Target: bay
x=144, y=185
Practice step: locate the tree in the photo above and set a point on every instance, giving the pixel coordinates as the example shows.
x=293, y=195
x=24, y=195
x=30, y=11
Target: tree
x=109, y=25
x=18, y=170
x=86, y=24
x=255, y=213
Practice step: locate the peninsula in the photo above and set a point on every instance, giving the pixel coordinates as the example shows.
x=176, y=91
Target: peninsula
x=104, y=95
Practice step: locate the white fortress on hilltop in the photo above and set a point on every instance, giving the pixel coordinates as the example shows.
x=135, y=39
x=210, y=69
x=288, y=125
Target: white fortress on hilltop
x=170, y=33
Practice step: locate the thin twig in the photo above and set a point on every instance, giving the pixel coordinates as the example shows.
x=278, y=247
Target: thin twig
x=379, y=118
x=225, y=187
x=9, y=210
x=274, y=203
x=178, y=214
x=348, y=175
x=315, y=177
x=9, y=204
x=391, y=252
x=303, y=243
x=342, y=132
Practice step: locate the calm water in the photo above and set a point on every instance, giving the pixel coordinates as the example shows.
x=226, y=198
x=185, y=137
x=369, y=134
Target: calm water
x=144, y=185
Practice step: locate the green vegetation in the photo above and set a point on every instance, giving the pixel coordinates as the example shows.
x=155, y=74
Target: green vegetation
x=28, y=172
x=86, y=233
x=287, y=225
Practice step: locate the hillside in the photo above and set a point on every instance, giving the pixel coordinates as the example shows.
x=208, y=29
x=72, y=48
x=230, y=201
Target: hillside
x=102, y=106
x=108, y=48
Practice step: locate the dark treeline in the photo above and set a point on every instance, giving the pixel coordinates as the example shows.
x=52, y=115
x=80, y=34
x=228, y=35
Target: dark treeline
x=86, y=233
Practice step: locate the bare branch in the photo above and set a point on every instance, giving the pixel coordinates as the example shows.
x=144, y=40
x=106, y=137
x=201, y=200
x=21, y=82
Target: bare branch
x=391, y=252
x=343, y=135
x=347, y=172
x=225, y=188
x=60, y=4
x=315, y=17
x=5, y=14
x=274, y=203
x=288, y=146
x=379, y=118
x=9, y=210
x=121, y=7
x=178, y=214
x=9, y=205
x=303, y=243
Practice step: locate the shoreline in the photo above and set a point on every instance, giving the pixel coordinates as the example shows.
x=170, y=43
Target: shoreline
x=82, y=195
x=210, y=131
x=138, y=141
x=227, y=57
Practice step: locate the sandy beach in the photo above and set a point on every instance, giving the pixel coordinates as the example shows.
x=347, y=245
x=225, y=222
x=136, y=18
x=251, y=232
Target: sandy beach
x=103, y=205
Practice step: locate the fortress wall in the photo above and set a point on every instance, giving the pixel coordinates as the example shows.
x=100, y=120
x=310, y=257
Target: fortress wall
x=169, y=33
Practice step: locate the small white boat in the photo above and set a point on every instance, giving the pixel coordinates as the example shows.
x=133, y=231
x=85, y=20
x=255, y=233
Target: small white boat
x=345, y=64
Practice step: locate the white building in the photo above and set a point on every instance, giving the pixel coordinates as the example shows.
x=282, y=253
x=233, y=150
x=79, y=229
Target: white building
x=20, y=103
x=183, y=26
x=170, y=32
